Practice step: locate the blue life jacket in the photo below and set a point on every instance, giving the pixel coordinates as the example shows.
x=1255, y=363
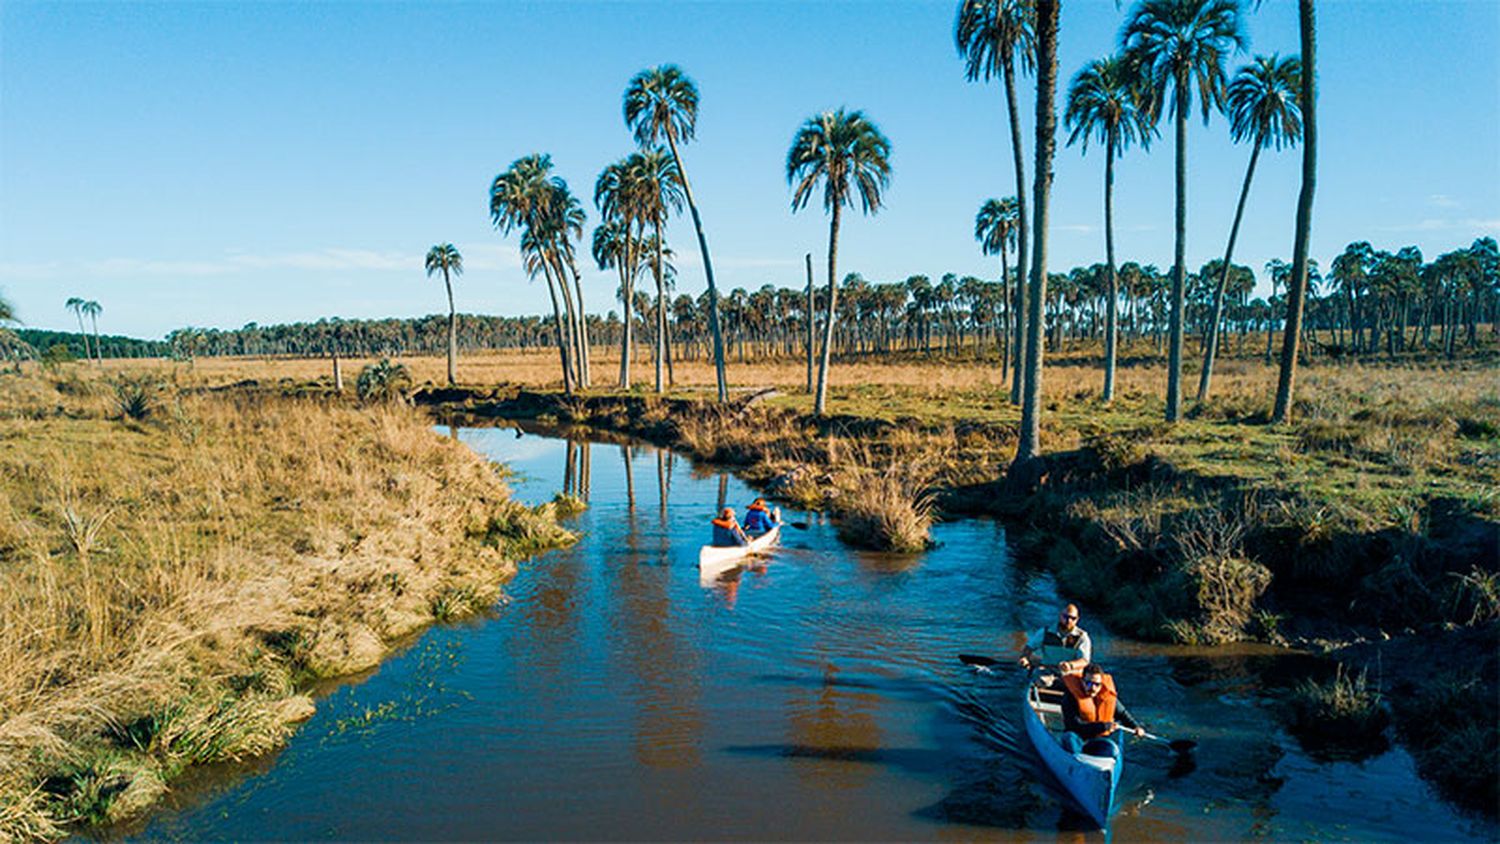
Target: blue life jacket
x=758, y=520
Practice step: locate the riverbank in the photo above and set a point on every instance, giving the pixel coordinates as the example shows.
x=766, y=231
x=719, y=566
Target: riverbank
x=177, y=568
x=1368, y=526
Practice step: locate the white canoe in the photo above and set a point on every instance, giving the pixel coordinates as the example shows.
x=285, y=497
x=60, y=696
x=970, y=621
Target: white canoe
x=1090, y=780
x=713, y=559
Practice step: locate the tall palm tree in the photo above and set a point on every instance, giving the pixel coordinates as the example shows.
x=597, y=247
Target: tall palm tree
x=1262, y=109
x=1028, y=444
x=848, y=154
x=523, y=197
x=996, y=227
x=75, y=304
x=444, y=258
x=662, y=102
x=1181, y=45
x=992, y=35
x=93, y=309
x=1106, y=101
x=1298, y=283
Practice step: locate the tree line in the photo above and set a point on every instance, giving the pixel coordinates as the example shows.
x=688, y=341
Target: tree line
x=1371, y=302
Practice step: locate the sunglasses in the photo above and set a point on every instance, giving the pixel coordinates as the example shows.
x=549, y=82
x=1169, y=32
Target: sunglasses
x=1092, y=684
x=1069, y=617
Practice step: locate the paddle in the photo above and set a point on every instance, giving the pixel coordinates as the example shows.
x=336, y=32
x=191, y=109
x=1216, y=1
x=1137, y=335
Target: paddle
x=980, y=661
x=1177, y=745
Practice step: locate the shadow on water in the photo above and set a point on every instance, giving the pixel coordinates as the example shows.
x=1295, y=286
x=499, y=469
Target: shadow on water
x=811, y=695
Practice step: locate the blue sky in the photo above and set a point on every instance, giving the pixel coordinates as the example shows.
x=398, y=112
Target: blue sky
x=215, y=164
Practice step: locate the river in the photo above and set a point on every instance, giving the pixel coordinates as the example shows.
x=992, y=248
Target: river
x=612, y=695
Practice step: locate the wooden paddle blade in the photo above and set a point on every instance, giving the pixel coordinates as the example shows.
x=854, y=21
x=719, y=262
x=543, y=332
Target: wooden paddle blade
x=981, y=661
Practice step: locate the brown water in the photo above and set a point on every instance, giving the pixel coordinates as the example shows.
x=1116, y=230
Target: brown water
x=615, y=696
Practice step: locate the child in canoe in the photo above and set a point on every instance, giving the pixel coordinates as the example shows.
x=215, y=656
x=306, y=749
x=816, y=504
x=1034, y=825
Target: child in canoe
x=758, y=519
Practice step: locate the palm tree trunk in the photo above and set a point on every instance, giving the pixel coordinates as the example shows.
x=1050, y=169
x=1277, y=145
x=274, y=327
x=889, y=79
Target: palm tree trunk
x=821, y=402
x=1018, y=158
x=1028, y=445
x=570, y=314
x=88, y=353
x=708, y=271
x=1008, y=302
x=1297, y=286
x=661, y=309
x=452, y=332
x=1205, y=378
x=562, y=333
x=1111, y=289
x=585, y=378
x=99, y=348
x=810, y=321
x=1179, y=265
x=625, y=345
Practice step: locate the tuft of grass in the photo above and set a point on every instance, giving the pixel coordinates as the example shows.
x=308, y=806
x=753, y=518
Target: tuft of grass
x=566, y=504
x=454, y=602
x=1344, y=709
x=886, y=506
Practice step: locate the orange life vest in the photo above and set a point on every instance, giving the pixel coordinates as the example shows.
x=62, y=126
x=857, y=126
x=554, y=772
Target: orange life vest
x=760, y=507
x=1091, y=709
x=727, y=524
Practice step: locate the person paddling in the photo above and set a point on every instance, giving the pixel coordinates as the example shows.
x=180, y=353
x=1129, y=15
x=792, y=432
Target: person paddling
x=1092, y=709
x=727, y=531
x=758, y=519
x=1065, y=646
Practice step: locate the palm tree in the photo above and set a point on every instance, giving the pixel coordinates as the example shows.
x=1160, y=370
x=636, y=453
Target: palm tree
x=444, y=258
x=1297, y=285
x=991, y=35
x=1263, y=109
x=1107, y=102
x=94, y=309
x=1029, y=441
x=523, y=197
x=996, y=227
x=1182, y=45
x=76, y=305
x=662, y=102
x=848, y=154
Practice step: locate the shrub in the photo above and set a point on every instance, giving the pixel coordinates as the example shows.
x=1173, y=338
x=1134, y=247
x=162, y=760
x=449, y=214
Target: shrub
x=383, y=381
x=136, y=398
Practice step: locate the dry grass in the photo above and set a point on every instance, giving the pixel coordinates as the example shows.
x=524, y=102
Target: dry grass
x=167, y=584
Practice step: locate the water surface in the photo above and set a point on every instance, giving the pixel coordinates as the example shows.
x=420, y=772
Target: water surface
x=615, y=696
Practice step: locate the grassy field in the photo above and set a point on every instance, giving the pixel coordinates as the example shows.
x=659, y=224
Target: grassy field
x=176, y=568
x=1369, y=436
